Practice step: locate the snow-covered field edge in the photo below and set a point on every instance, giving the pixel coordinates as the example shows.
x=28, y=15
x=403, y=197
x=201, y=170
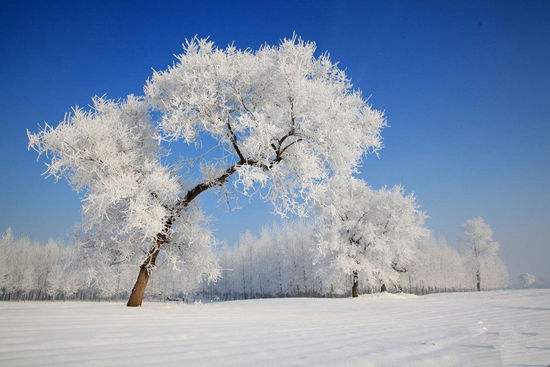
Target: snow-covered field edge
x=496, y=328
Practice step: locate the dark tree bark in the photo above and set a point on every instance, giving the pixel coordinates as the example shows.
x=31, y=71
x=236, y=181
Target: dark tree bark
x=383, y=288
x=478, y=281
x=355, y=285
x=136, y=297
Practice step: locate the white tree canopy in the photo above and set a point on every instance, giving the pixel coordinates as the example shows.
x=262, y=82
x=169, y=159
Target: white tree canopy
x=477, y=240
x=368, y=231
x=480, y=249
x=288, y=119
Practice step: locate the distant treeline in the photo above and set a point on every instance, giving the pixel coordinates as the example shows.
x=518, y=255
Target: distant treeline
x=280, y=262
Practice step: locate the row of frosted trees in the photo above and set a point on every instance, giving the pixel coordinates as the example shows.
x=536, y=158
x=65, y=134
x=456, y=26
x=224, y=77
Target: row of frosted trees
x=282, y=261
x=31, y=271
x=55, y=271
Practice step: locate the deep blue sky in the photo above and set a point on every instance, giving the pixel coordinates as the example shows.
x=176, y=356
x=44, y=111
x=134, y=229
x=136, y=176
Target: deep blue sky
x=465, y=87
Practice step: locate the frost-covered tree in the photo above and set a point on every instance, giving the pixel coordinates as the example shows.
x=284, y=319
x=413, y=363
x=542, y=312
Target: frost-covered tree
x=279, y=262
x=494, y=273
x=286, y=119
x=526, y=280
x=479, y=246
x=438, y=267
x=5, y=255
x=30, y=270
x=368, y=231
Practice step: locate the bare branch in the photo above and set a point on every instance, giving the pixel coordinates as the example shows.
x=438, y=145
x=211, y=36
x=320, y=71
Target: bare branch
x=233, y=139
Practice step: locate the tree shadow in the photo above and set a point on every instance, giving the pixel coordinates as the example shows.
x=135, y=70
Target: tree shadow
x=541, y=348
x=528, y=308
x=478, y=346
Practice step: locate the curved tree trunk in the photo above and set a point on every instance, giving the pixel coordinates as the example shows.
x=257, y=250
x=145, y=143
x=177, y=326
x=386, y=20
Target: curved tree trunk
x=136, y=297
x=355, y=285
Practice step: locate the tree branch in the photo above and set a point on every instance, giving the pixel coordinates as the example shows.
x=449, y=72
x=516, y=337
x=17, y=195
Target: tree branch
x=162, y=237
x=398, y=268
x=203, y=186
x=233, y=139
x=279, y=150
x=289, y=145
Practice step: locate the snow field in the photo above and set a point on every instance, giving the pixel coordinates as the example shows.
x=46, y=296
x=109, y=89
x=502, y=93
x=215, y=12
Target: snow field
x=497, y=328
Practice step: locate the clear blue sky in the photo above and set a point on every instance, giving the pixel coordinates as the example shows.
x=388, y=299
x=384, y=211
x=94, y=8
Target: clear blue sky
x=465, y=87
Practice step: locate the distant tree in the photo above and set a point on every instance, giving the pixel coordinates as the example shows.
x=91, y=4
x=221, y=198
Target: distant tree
x=526, y=280
x=5, y=240
x=438, y=266
x=286, y=119
x=369, y=231
x=479, y=246
x=277, y=263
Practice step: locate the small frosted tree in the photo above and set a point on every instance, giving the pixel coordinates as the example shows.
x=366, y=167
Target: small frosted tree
x=526, y=280
x=285, y=120
x=368, y=231
x=479, y=246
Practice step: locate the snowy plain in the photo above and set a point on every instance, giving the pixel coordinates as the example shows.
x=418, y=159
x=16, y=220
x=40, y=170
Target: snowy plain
x=497, y=328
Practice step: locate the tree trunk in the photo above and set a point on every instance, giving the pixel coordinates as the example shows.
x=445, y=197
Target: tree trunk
x=478, y=281
x=136, y=297
x=355, y=285
x=383, y=288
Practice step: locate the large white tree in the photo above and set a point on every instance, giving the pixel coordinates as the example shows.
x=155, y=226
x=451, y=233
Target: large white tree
x=286, y=119
x=479, y=246
x=374, y=232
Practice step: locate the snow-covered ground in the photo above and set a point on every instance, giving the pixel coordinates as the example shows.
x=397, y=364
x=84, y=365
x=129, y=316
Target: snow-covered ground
x=510, y=328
